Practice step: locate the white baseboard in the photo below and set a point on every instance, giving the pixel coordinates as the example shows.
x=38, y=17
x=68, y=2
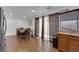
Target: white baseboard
x=10, y=35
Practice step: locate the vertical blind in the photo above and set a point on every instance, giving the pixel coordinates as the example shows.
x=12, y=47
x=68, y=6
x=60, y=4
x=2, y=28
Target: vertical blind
x=78, y=21
x=46, y=28
x=53, y=25
x=36, y=26
x=42, y=36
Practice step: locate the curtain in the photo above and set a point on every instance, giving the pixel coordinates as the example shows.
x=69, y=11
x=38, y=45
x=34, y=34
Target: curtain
x=42, y=36
x=37, y=27
x=53, y=25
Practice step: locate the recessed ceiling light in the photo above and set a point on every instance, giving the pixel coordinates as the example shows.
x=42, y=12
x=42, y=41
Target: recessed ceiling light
x=10, y=13
x=33, y=10
x=24, y=16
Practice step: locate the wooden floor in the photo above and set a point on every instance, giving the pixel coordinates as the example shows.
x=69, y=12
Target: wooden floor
x=28, y=45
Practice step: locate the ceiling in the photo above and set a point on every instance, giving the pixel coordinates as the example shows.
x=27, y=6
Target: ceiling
x=25, y=12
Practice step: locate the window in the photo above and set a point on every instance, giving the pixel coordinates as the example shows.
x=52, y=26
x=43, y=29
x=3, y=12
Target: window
x=68, y=22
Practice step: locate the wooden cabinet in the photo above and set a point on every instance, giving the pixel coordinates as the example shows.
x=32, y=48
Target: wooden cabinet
x=68, y=42
x=74, y=44
x=62, y=43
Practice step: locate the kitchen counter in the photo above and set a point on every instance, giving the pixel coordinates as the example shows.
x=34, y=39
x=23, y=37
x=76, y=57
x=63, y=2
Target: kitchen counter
x=69, y=34
x=68, y=42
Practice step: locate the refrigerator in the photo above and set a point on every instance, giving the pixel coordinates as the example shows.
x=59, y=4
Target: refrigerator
x=3, y=27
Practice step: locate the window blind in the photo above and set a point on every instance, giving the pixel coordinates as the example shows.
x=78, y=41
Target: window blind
x=68, y=22
x=53, y=25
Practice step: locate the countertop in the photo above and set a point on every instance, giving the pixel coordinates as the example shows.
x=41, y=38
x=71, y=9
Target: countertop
x=68, y=34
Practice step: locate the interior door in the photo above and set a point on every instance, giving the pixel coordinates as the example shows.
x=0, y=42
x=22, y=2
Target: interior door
x=37, y=27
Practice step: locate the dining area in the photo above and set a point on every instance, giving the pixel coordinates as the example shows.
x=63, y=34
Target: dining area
x=24, y=33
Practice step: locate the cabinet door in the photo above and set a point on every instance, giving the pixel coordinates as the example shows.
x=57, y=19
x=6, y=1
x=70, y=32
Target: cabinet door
x=74, y=44
x=62, y=43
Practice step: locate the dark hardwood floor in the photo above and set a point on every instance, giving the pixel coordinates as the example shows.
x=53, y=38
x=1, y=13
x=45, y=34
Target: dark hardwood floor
x=15, y=44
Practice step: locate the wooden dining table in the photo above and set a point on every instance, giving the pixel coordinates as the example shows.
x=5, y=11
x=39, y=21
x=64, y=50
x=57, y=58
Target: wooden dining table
x=24, y=33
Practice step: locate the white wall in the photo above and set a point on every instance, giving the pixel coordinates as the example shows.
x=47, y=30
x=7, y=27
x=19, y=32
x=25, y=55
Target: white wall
x=11, y=27
x=46, y=28
x=22, y=23
x=12, y=24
